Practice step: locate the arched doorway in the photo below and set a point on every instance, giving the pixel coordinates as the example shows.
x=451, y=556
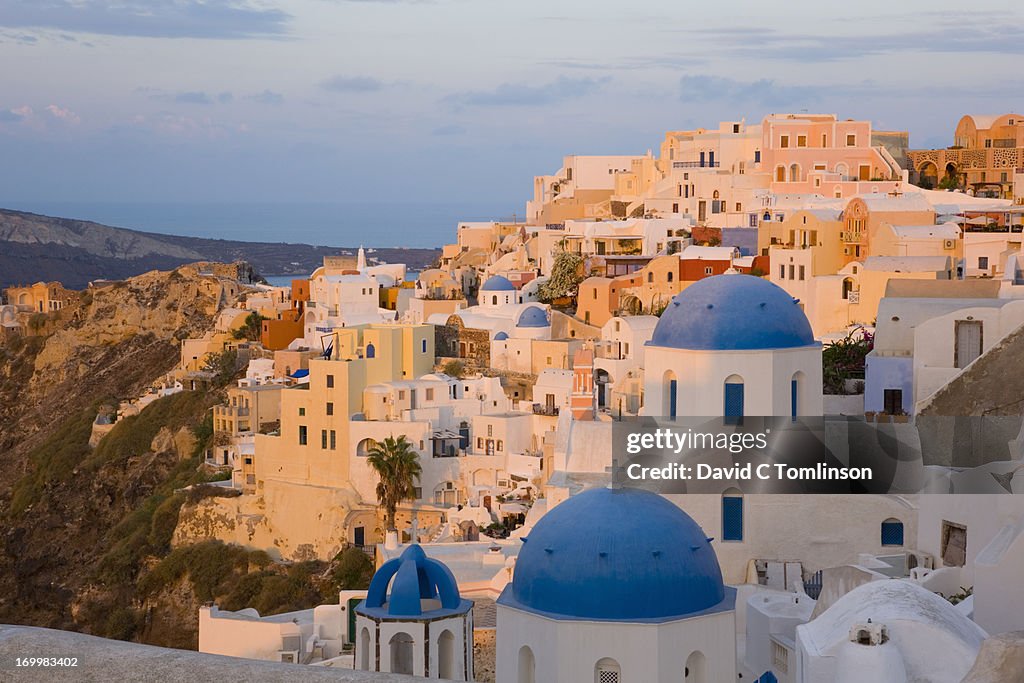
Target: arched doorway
x=603, y=381
x=734, y=400
x=364, y=649
x=696, y=668
x=670, y=394
x=607, y=670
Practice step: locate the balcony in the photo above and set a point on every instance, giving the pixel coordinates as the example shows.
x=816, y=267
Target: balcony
x=550, y=411
x=696, y=164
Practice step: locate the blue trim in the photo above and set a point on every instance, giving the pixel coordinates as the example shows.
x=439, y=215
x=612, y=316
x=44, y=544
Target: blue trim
x=732, y=518
x=727, y=604
x=733, y=408
x=892, y=533
x=672, y=398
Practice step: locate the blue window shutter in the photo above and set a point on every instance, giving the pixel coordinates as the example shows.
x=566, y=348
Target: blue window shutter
x=892, y=533
x=371, y=352
x=733, y=403
x=732, y=518
x=793, y=388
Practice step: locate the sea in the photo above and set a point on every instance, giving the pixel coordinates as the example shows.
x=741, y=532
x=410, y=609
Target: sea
x=332, y=224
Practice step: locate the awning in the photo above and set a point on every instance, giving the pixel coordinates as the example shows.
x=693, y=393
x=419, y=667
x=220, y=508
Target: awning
x=512, y=508
x=299, y=374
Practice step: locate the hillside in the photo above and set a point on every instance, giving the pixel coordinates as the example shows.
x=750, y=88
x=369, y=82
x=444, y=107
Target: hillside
x=37, y=248
x=85, y=532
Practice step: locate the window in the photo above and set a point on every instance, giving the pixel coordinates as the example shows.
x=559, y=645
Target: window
x=851, y=140
x=330, y=408
x=675, y=208
x=650, y=277
x=792, y=272
x=371, y=351
x=784, y=143
x=757, y=156
x=330, y=381
x=988, y=143
x=892, y=532
x=892, y=401
x=323, y=439
x=479, y=442
x=401, y=394
x=302, y=412
x=733, y=404
x=490, y=430
x=801, y=140
x=302, y=435
x=739, y=207
x=430, y=394
x=736, y=127
x=954, y=544
x=802, y=272
x=782, y=272
x=983, y=262
x=708, y=270
x=607, y=670
x=500, y=445
x=824, y=140
x=669, y=276
x=732, y=515
x=334, y=440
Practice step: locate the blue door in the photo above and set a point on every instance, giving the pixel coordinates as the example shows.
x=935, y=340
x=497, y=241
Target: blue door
x=733, y=403
x=702, y=159
x=792, y=390
x=672, y=398
x=732, y=518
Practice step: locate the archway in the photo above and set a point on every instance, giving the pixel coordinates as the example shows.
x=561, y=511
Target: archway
x=401, y=653
x=527, y=666
x=607, y=670
x=371, y=350
x=446, y=655
x=364, y=649
x=603, y=381
x=928, y=175
x=696, y=668
x=794, y=173
x=734, y=399
x=364, y=447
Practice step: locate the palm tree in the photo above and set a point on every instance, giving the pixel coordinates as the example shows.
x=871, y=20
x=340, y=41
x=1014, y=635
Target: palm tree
x=398, y=467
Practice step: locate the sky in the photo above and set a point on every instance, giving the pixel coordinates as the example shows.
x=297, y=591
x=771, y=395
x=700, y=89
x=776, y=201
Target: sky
x=450, y=101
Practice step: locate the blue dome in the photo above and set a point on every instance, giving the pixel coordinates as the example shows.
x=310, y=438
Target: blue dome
x=534, y=316
x=416, y=578
x=732, y=312
x=620, y=555
x=501, y=336
x=497, y=283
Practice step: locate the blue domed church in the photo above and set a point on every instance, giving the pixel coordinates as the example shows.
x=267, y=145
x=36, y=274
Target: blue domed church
x=732, y=345
x=414, y=621
x=616, y=586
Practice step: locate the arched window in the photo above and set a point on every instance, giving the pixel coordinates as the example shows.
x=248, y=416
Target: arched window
x=364, y=649
x=892, y=532
x=715, y=195
x=794, y=395
x=371, y=351
x=794, y=173
x=732, y=515
x=446, y=655
x=733, y=408
x=670, y=276
x=696, y=668
x=401, y=653
x=847, y=287
x=527, y=666
x=607, y=670
x=364, y=447
x=780, y=174
x=423, y=346
x=670, y=395
x=494, y=300
x=650, y=277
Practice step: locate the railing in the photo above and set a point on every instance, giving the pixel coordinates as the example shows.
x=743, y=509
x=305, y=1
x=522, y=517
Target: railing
x=813, y=585
x=696, y=164
x=853, y=296
x=545, y=410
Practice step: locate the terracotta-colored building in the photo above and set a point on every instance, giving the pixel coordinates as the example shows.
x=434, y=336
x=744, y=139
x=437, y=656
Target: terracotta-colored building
x=278, y=334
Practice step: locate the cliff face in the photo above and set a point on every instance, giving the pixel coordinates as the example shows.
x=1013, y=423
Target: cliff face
x=66, y=511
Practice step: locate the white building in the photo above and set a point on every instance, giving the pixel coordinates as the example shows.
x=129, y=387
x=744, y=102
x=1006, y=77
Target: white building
x=414, y=621
x=736, y=344
x=616, y=585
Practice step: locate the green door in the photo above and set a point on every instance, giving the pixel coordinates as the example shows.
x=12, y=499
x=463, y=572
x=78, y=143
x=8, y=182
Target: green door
x=352, y=602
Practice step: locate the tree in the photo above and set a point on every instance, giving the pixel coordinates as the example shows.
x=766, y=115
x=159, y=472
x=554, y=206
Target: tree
x=566, y=276
x=398, y=467
x=251, y=328
x=223, y=365
x=843, y=359
x=454, y=368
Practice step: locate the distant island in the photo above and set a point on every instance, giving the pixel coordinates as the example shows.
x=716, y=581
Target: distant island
x=36, y=248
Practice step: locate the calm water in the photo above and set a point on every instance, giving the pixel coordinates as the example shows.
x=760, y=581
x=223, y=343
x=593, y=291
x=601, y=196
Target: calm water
x=338, y=224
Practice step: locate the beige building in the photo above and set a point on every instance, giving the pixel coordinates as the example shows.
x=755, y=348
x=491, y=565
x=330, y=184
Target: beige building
x=987, y=153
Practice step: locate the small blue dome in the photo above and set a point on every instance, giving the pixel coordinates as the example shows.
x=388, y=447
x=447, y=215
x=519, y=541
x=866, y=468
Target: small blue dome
x=733, y=312
x=417, y=578
x=501, y=336
x=534, y=316
x=497, y=283
x=620, y=555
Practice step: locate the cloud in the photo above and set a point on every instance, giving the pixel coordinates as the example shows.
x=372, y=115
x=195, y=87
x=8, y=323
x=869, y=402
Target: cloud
x=228, y=19
x=352, y=84
x=518, y=94
x=51, y=117
x=10, y=116
x=193, y=97
x=266, y=97
x=63, y=114
x=449, y=129
x=763, y=91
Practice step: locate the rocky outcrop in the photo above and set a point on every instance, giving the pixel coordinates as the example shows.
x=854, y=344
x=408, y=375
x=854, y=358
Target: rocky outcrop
x=1001, y=659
